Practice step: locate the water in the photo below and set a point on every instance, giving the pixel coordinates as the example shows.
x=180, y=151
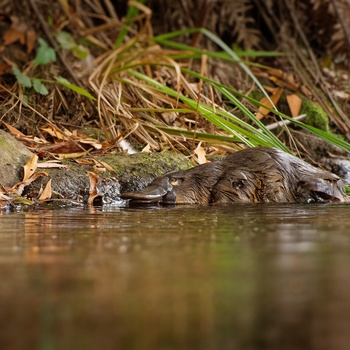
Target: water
x=185, y=277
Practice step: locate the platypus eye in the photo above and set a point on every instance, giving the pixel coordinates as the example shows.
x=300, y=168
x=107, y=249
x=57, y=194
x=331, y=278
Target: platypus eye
x=237, y=183
x=175, y=182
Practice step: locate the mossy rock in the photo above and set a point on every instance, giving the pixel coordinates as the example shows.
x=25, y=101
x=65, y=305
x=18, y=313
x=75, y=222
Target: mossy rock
x=136, y=171
x=13, y=155
x=126, y=173
x=315, y=115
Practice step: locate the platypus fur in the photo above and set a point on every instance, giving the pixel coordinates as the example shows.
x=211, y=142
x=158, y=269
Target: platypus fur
x=255, y=175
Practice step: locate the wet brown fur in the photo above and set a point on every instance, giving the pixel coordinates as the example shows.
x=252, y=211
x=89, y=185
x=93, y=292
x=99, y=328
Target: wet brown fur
x=257, y=175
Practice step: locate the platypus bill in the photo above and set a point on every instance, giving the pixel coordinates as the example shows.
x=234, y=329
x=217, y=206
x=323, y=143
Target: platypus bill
x=256, y=175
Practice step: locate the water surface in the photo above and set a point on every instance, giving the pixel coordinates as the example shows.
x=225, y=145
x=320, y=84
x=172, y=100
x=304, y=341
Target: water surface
x=185, y=277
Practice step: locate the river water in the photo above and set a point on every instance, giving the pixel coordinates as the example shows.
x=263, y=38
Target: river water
x=185, y=277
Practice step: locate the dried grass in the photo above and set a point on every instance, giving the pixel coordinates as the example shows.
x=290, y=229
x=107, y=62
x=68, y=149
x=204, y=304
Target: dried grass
x=158, y=91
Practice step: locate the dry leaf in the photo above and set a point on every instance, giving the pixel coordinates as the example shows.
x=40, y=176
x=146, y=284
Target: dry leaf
x=169, y=117
x=93, y=195
x=84, y=161
x=4, y=68
x=93, y=179
x=47, y=192
x=4, y=197
x=72, y=155
x=294, y=103
x=2, y=189
x=13, y=35
x=31, y=40
x=271, y=89
x=62, y=147
x=51, y=164
x=91, y=142
x=262, y=112
x=19, y=187
x=99, y=168
x=14, y=131
x=30, y=167
x=147, y=148
x=54, y=132
x=19, y=31
x=201, y=155
x=275, y=72
x=107, y=166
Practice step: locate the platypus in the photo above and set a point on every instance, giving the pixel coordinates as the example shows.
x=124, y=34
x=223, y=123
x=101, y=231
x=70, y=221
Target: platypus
x=255, y=175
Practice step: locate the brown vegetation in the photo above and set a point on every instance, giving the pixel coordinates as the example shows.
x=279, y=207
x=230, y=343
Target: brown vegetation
x=313, y=34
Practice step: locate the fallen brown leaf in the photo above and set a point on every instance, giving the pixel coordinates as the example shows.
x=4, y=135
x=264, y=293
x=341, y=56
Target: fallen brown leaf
x=30, y=167
x=201, y=154
x=147, y=148
x=31, y=38
x=19, y=31
x=294, y=103
x=4, y=68
x=262, y=111
x=65, y=147
x=4, y=196
x=73, y=155
x=19, y=187
x=54, y=132
x=93, y=179
x=47, y=192
x=84, y=161
x=13, y=131
x=99, y=168
x=2, y=189
x=51, y=164
x=13, y=35
x=107, y=166
x=3, y=203
x=91, y=142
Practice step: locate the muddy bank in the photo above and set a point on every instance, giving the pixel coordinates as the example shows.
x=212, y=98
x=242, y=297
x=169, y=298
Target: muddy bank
x=116, y=173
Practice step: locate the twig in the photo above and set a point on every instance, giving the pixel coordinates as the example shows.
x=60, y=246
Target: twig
x=284, y=122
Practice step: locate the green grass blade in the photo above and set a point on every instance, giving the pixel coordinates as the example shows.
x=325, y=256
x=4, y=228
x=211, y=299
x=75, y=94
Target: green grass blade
x=223, y=46
x=195, y=134
x=75, y=88
x=241, y=130
x=132, y=12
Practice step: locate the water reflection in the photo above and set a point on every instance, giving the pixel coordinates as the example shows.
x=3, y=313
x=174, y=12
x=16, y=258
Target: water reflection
x=187, y=277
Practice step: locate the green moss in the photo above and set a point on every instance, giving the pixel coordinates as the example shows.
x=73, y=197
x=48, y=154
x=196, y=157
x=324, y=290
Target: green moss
x=315, y=115
x=154, y=164
x=347, y=189
x=137, y=170
x=257, y=95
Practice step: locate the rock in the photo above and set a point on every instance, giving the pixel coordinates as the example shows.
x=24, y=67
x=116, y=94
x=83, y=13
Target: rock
x=341, y=167
x=127, y=172
x=13, y=156
x=130, y=173
x=330, y=157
